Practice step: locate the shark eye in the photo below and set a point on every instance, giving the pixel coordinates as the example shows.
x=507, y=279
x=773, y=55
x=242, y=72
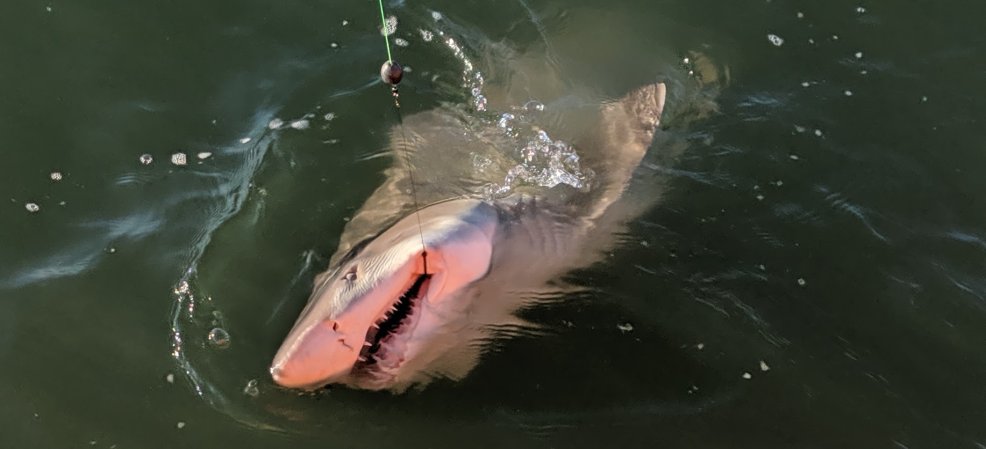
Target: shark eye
x=350, y=275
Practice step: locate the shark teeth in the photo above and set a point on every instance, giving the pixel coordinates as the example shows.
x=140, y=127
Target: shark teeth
x=382, y=331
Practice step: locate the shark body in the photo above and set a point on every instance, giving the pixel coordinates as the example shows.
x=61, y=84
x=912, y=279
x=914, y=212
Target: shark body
x=414, y=295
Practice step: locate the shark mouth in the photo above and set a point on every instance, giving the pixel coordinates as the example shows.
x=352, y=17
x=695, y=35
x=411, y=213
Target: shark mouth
x=395, y=321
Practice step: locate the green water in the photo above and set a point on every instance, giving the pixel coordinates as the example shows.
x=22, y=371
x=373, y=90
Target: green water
x=822, y=234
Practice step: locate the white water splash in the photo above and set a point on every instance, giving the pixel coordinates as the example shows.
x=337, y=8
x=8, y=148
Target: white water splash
x=544, y=162
x=541, y=160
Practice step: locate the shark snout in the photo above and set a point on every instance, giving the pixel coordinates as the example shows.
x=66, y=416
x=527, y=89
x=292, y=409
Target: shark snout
x=322, y=354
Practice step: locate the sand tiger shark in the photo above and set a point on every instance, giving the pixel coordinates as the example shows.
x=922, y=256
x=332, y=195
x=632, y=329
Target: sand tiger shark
x=414, y=295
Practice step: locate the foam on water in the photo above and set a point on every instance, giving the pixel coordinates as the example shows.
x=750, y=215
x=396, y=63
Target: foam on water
x=391, y=22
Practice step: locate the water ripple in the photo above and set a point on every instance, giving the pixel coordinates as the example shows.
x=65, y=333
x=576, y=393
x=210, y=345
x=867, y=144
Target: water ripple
x=133, y=226
x=840, y=202
x=67, y=263
x=965, y=237
x=87, y=254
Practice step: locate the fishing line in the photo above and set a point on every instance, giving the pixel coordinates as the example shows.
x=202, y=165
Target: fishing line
x=391, y=73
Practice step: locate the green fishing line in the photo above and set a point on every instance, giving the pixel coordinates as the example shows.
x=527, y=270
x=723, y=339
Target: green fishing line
x=383, y=21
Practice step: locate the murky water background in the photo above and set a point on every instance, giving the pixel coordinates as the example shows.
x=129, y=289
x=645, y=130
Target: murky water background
x=813, y=276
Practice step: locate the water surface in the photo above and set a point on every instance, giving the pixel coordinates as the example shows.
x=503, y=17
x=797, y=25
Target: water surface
x=812, y=277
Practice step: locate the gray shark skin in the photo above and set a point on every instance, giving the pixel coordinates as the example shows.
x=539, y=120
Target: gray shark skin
x=415, y=295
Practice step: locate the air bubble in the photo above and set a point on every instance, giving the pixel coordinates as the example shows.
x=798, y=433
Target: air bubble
x=56, y=176
x=300, y=124
x=219, y=338
x=505, y=121
x=426, y=35
x=275, y=123
x=251, y=388
x=179, y=159
x=183, y=288
x=480, y=103
x=400, y=42
x=480, y=162
x=32, y=207
x=775, y=39
x=146, y=159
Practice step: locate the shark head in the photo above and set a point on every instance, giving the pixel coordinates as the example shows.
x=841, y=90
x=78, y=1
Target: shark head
x=389, y=307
